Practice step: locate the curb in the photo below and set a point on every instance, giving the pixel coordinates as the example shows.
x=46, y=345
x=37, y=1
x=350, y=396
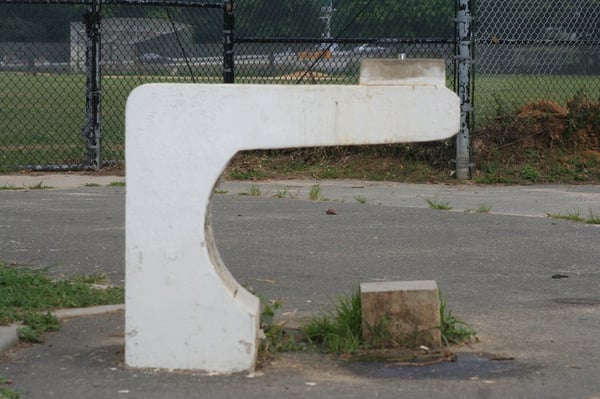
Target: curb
x=9, y=337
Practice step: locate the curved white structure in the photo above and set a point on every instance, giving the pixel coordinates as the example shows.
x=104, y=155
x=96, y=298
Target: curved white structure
x=184, y=310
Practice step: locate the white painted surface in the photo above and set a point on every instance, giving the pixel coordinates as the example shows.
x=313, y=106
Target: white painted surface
x=413, y=71
x=184, y=310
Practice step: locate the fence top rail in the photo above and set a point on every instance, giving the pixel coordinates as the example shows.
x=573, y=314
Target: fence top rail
x=342, y=40
x=163, y=3
x=539, y=42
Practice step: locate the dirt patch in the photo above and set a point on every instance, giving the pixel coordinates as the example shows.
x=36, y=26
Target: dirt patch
x=541, y=127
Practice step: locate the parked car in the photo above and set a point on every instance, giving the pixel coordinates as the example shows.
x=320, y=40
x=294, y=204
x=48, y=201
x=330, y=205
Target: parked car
x=152, y=58
x=372, y=49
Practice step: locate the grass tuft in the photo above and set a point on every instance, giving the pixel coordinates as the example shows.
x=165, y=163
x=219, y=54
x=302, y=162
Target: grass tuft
x=453, y=331
x=316, y=194
x=28, y=296
x=483, y=208
x=593, y=218
x=360, y=199
x=341, y=330
x=575, y=216
x=38, y=186
x=435, y=203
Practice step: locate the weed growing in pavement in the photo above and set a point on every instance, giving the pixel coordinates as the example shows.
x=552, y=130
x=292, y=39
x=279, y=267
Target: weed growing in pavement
x=117, y=184
x=28, y=296
x=6, y=393
x=453, y=331
x=315, y=194
x=435, y=203
x=38, y=186
x=282, y=193
x=341, y=330
x=593, y=218
x=275, y=337
x=220, y=191
x=572, y=216
x=483, y=208
x=91, y=185
x=576, y=217
x=360, y=199
x=253, y=192
x=10, y=187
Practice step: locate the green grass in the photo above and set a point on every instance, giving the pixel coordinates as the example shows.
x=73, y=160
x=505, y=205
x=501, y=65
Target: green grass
x=435, y=203
x=316, y=194
x=42, y=114
x=6, y=393
x=575, y=216
x=38, y=186
x=453, y=330
x=284, y=193
x=341, y=330
x=117, y=184
x=91, y=185
x=483, y=208
x=254, y=191
x=513, y=91
x=28, y=296
x=10, y=187
x=360, y=199
x=593, y=218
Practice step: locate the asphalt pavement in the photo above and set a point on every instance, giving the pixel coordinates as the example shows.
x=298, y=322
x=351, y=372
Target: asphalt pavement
x=538, y=334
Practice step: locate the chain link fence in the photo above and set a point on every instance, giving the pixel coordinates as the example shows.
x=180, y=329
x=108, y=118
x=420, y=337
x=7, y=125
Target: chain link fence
x=60, y=110
x=323, y=41
x=531, y=50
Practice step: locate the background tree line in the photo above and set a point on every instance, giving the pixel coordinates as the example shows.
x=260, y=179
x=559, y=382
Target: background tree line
x=351, y=18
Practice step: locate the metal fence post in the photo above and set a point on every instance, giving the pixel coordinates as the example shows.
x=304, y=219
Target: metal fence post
x=464, y=59
x=228, y=26
x=92, y=130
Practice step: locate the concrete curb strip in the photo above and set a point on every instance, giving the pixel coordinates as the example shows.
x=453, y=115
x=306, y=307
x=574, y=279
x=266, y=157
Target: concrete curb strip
x=9, y=337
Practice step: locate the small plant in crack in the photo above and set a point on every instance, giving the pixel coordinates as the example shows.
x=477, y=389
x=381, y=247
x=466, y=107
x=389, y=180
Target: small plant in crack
x=575, y=216
x=254, y=191
x=275, y=337
x=435, y=203
x=483, y=208
x=341, y=330
x=360, y=199
x=453, y=330
x=38, y=186
x=316, y=194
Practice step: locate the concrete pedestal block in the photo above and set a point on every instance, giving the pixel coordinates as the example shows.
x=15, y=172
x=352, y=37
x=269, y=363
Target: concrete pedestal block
x=405, y=313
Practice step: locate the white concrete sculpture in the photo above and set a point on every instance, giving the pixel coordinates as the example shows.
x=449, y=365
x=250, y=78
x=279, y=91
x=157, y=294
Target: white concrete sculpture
x=184, y=310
